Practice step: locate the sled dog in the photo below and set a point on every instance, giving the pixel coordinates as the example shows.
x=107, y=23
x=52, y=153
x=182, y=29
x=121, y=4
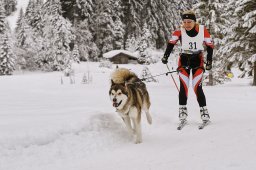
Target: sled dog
x=130, y=96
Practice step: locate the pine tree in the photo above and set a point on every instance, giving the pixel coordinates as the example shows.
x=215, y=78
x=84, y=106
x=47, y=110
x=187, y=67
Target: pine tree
x=161, y=17
x=209, y=14
x=20, y=30
x=75, y=53
x=58, y=34
x=2, y=18
x=131, y=18
x=30, y=12
x=27, y=44
x=217, y=29
x=37, y=21
x=102, y=28
x=85, y=9
x=238, y=47
x=6, y=52
x=144, y=46
x=118, y=34
x=222, y=63
x=87, y=48
x=68, y=7
x=10, y=6
x=6, y=55
x=131, y=43
x=243, y=39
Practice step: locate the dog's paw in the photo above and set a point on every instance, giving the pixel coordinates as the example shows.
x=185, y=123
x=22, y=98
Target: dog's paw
x=138, y=141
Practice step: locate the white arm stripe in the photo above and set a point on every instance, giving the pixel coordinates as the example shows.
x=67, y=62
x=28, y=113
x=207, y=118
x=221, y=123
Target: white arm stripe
x=208, y=40
x=174, y=38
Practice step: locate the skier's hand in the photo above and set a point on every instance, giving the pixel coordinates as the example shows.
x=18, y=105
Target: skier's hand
x=208, y=65
x=165, y=60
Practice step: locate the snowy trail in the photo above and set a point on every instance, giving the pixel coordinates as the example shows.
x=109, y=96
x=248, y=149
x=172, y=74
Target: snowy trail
x=48, y=126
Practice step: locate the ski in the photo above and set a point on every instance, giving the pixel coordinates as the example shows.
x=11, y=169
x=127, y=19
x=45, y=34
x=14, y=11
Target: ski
x=205, y=123
x=182, y=124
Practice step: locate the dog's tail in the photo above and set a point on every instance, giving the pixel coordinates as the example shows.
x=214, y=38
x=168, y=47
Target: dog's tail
x=146, y=106
x=123, y=75
x=149, y=118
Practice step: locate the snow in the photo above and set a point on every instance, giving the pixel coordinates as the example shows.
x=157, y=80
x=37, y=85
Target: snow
x=113, y=53
x=46, y=125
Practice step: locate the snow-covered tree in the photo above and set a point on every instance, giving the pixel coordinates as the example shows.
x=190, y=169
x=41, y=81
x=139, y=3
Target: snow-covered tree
x=131, y=43
x=209, y=13
x=244, y=38
x=6, y=51
x=58, y=34
x=85, y=9
x=103, y=27
x=239, y=46
x=69, y=9
x=131, y=18
x=7, y=57
x=144, y=46
x=2, y=18
x=10, y=6
x=30, y=12
x=84, y=39
x=27, y=44
x=37, y=22
x=22, y=30
x=118, y=34
x=162, y=17
x=75, y=53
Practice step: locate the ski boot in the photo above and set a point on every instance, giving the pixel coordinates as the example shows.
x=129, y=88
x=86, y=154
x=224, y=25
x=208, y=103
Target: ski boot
x=183, y=113
x=204, y=114
x=182, y=116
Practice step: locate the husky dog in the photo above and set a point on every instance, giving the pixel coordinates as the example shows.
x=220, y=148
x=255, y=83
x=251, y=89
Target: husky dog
x=130, y=96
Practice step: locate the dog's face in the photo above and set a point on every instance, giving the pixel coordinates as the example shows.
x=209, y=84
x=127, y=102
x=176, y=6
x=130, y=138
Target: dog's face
x=118, y=95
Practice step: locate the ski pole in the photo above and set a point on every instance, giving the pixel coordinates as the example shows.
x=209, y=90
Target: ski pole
x=172, y=78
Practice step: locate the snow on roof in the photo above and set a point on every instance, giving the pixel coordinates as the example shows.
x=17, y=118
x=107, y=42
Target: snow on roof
x=113, y=53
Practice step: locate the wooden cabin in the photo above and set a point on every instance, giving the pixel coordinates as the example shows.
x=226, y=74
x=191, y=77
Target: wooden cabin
x=121, y=57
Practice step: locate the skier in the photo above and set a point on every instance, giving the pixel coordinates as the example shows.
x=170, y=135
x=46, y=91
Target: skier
x=192, y=37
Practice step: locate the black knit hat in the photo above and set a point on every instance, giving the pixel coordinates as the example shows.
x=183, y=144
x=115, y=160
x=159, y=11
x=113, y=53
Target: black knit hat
x=189, y=16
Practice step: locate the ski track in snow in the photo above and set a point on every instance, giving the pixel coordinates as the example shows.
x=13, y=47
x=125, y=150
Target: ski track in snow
x=94, y=135
x=45, y=122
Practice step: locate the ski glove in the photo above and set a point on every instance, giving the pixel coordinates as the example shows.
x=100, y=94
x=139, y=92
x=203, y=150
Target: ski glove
x=208, y=65
x=165, y=60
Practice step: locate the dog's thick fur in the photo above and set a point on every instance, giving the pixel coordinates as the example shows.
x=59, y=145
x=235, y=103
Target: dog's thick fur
x=130, y=96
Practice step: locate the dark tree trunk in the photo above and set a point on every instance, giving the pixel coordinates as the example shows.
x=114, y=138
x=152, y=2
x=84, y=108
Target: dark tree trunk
x=254, y=74
x=210, y=78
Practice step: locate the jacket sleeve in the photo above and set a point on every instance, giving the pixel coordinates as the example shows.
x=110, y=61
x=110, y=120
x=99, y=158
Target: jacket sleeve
x=209, y=44
x=209, y=53
x=175, y=38
x=168, y=50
